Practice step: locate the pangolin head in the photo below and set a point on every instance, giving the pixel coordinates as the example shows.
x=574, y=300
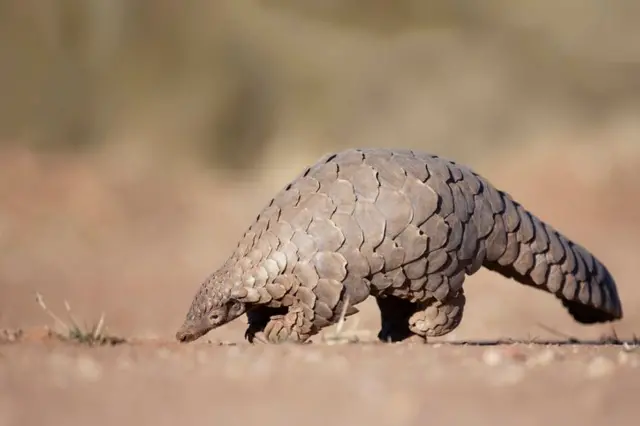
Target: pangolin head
x=210, y=308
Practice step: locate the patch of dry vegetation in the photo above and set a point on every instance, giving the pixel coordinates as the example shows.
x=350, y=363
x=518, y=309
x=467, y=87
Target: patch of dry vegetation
x=72, y=331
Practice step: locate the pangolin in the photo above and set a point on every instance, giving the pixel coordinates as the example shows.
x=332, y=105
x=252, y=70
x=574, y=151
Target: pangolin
x=403, y=226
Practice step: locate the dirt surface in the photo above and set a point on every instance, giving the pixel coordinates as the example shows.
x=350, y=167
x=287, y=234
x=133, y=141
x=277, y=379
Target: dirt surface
x=347, y=384
x=136, y=248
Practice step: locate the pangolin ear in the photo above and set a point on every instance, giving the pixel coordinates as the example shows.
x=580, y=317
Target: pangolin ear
x=244, y=295
x=238, y=293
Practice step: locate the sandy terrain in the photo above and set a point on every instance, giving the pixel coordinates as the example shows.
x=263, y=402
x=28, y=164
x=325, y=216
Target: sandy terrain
x=136, y=251
x=312, y=385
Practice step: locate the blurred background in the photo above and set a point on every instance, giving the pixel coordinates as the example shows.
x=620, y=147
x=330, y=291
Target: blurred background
x=138, y=139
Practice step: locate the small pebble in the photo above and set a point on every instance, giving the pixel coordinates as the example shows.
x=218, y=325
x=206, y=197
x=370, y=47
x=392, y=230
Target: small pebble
x=543, y=358
x=89, y=369
x=600, y=367
x=492, y=357
x=623, y=358
x=508, y=375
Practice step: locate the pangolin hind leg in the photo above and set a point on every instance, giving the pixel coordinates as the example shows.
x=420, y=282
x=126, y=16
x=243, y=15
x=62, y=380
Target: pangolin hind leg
x=402, y=320
x=394, y=319
x=436, y=318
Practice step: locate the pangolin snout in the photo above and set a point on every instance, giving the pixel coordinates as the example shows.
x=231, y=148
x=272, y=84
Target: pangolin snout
x=188, y=333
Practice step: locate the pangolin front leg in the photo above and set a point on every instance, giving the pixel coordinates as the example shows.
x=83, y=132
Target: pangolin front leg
x=296, y=326
x=258, y=318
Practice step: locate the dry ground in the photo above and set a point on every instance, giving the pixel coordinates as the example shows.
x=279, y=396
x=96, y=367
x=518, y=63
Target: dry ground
x=313, y=385
x=136, y=248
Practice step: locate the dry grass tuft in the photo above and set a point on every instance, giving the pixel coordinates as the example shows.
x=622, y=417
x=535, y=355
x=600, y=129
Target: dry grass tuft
x=71, y=331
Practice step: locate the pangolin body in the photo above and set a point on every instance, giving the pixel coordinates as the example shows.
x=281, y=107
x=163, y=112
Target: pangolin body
x=403, y=226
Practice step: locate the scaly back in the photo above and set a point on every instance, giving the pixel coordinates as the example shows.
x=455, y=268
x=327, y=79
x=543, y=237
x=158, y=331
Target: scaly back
x=364, y=215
